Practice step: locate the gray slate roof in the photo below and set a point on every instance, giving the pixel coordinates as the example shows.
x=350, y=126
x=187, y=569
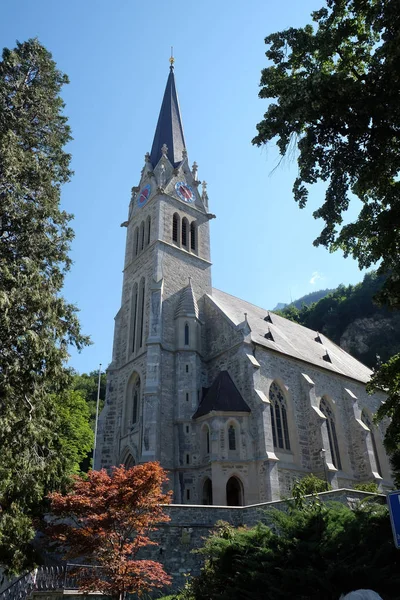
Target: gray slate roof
x=169, y=128
x=187, y=305
x=289, y=338
x=223, y=395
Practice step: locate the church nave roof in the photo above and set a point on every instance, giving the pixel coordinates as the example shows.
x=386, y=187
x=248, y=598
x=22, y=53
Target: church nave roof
x=284, y=336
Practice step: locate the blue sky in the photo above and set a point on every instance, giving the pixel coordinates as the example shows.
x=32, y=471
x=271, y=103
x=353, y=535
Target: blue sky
x=116, y=56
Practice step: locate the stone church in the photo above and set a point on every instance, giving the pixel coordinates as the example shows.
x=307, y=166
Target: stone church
x=233, y=400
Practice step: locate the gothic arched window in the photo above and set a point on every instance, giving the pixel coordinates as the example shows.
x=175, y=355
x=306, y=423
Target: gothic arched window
x=134, y=310
x=175, y=228
x=186, y=334
x=142, y=235
x=331, y=428
x=367, y=421
x=205, y=440
x=232, y=437
x=141, y=315
x=148, y=230
x=135, y=400
x=132, y=403
x=129, y=462
x=185, y=232
x=136, y=242
x=280, y=431
x=193, y=235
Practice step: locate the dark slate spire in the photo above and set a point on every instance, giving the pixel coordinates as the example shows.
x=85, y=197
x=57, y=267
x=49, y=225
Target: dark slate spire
x=169, y=129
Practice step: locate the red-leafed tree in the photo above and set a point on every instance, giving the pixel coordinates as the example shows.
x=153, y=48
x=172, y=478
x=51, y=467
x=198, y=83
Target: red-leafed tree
x=105, y=520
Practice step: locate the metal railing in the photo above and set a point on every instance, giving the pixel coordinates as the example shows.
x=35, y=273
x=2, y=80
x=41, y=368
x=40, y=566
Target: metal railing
x=63, y=577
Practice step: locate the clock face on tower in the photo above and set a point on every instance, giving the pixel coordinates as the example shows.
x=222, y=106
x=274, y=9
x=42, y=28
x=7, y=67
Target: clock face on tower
x=143, y=195
x=184, y=191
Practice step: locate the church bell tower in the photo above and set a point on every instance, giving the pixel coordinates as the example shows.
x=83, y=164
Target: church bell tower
x=154, y=381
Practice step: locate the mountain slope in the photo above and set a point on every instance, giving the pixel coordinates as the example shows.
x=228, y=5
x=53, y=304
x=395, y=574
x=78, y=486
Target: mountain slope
x=350, y=317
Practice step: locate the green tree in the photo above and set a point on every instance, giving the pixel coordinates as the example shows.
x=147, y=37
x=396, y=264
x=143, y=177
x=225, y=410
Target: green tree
x=317, y=552
x=74, y=429
x=370, y=486
x=36, y=324
x=334, y=87
x=86, y=384
x=105, y=520
x=310, y=484
x=387, y=377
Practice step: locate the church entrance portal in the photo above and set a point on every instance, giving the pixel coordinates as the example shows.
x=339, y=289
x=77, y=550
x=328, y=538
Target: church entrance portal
x=207, y=492
x=234, y=492
x=129, y=462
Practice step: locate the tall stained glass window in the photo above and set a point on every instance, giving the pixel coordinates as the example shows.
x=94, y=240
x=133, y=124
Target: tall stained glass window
x=280, y=431
x=367, y=421
x=331, y=427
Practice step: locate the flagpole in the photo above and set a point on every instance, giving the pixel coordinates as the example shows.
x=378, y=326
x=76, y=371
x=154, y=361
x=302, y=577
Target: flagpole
x=97, y=417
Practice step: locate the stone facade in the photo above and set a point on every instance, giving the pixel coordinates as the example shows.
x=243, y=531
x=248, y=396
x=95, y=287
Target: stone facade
x=303, y=407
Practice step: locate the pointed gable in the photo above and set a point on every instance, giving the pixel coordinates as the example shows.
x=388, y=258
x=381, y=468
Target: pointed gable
x=187, y=306
x=169, y=128
x=223, y=395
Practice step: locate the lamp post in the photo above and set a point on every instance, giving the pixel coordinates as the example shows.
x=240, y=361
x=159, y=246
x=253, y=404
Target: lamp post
x=97, y=416
x=322, y=453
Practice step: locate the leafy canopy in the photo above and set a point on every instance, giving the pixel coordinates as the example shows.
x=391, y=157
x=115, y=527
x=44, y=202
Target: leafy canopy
x=36, y=323
x=74, y=430
x=387, y=380
x=86, y=384
x=105, y=521
x=334, y=87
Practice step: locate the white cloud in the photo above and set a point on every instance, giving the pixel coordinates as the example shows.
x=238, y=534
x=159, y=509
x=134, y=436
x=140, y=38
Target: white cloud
x=314, y=278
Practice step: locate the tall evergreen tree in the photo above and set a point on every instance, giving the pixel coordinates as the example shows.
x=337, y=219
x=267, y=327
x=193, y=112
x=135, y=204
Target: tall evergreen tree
x=36, y=323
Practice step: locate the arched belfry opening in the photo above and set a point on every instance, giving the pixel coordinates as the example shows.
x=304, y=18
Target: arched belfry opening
x=207, y=492
x=132, y=404
x=234, y=492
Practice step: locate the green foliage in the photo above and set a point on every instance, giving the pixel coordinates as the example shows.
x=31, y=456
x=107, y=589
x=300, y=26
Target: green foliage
x=370, y=486
x=334, y=87
x=310, y=484
x=74, y=429
x=387, y=380
x=87, y=384
x=338, y=310
x=311, y=298
x=36, y=323
x=318, y=552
